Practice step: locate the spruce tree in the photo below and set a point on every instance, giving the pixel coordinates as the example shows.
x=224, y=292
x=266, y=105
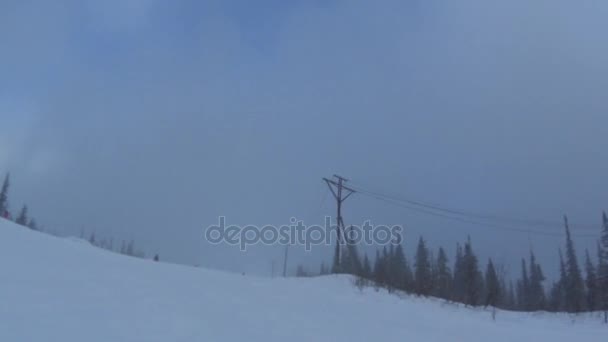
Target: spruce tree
x=367, y=268
x=422, y=269
x=4, y=196
x=559, y=289
x=398, y=266
x=556, y=296
x=392, y=270
x=458, y=286
x=444, y=276
x=473, y=281
x=492, y=285
x=388, y=257
x=301, y=272
x=503, y=291
x=574, y=287
x=434, y=272
x=131, y=248
x=32, y=224
x=323, y=269
x=536, y=291
x=591, y=283
x=510, y=300
x=602, y=268
x=407, y=282
x=336, y=265
x=408, y=277
x=554, y=303
x=22, y=218
x=380, y=270
x=604, y=238
x=523, y=288
x=351, y=261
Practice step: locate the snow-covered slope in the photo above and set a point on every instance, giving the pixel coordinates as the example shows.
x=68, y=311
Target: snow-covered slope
x=54, y=289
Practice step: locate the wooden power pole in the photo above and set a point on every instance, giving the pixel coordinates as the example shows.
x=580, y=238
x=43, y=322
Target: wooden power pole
x=341, y=193
x=285, y=260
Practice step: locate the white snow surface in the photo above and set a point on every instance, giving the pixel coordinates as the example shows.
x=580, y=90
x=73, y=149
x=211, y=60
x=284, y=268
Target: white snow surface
x=54, y=289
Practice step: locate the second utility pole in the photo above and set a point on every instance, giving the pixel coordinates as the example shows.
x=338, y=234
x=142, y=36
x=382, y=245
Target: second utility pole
x=341, y=193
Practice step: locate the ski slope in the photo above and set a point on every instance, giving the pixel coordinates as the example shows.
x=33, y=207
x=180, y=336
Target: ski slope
x=54, y=289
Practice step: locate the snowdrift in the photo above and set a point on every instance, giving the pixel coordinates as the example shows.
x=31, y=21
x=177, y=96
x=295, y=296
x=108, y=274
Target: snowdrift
x=54, y=289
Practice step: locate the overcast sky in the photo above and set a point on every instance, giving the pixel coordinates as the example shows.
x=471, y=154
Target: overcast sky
x=147, y=119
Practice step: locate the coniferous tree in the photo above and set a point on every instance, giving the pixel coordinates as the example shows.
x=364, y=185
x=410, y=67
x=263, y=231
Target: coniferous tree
x=380, y=270
x=4, y=196
x=470, y=286
x=443, y=280
x=354, y=260
x=398, y=268
x=503, y=289
x=511, y=302
x=323, y=269
x=422, y=268
x=602, y=268
x=591, y=283
x=536, y=291
x=92, y=239
x=336, y=265
x=392, y=269
x=345, y=263
x=351, y=262
x=458, y=286
x=367, y=269
x=433, y=263
x=557, y=300
x=574, y=287
x=602, y=285
x=408, y=277
x=492, y=285
x=131, y=248
x=32, y=224
x=473, y=280
x=388, y=258
x=604, y=238
x=301, y=271
x=555, y=294
x=22, y=218
x=523, y=288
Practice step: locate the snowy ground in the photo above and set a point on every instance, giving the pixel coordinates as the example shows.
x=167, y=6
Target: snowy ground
x=54, y=289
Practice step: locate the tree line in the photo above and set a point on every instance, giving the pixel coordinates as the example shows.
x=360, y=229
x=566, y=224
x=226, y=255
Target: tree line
x=465, y=280
x=124, y=247
x=23, y=218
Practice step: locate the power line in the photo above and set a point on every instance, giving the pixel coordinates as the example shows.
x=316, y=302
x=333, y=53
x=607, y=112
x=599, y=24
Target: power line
x=461, y=219
x=470, y=215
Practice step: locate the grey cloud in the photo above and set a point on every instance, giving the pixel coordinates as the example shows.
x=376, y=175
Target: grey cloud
x=156, y=129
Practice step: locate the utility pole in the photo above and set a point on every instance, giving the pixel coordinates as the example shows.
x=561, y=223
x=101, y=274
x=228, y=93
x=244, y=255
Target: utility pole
x=285, y=260
x=341, y=193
